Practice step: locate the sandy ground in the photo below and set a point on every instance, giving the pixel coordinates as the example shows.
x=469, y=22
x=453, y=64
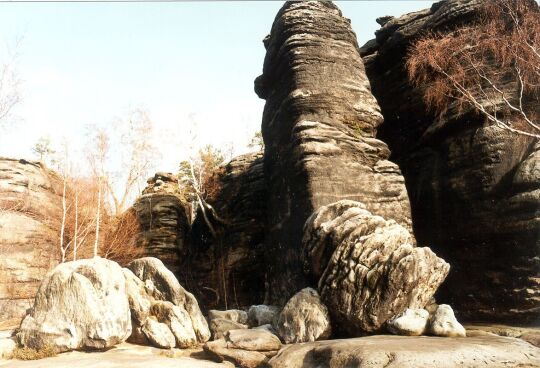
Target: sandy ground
x=124, y=355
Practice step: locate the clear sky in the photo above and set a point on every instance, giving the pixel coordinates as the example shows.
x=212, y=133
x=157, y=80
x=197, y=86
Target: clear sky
x=87, y=63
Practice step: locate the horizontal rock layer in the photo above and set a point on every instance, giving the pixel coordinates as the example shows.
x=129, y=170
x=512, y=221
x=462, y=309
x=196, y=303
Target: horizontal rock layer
x=164, y=221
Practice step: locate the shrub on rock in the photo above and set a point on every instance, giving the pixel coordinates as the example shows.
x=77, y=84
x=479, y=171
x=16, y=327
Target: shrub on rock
x=79, y=305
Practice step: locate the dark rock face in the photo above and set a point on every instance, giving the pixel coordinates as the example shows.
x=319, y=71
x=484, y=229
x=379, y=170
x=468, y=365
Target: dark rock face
x=229, y=271
x=29, y=213
x=474, y=188
x=164, y=221
x=318, y=126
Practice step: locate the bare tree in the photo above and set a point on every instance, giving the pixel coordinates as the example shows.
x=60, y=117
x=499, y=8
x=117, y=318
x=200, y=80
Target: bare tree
x=98, y=156
x=10, y=83
x=43, y=149
x=492, y=66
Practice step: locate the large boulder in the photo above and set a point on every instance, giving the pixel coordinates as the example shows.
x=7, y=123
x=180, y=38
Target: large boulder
x=79, y=305
x=304, y=318
x=245, y=348
x=444, y=323
x=154, y=292
x=474, y=187
x=229, y=271
x=411, y=322
x=367, y=269
x=319, y=126
x=30, y=210
x=262, y=314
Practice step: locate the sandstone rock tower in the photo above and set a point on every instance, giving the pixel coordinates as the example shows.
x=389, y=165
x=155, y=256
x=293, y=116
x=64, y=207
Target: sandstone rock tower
x=319, y=127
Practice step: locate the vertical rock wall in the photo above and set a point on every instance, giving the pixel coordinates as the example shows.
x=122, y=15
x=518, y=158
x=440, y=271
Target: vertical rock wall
x=474, y=188
x=29, y=211
x=318, y=126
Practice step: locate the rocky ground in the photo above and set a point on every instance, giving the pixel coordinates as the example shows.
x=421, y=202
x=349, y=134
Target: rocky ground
x=479, y=350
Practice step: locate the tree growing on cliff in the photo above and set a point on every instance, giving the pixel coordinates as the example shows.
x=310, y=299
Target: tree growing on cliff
x=492, y=66
x=43, y=149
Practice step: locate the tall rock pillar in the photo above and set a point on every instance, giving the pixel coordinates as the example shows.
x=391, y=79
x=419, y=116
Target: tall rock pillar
x=319, y=127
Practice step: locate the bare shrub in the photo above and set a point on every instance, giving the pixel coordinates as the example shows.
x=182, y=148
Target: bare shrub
x=492, y=66
x=32, y=354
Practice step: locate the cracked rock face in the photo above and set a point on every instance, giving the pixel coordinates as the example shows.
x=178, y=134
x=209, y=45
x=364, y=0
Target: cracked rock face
x=367, y=268
x=319, y=126
x=474, y=188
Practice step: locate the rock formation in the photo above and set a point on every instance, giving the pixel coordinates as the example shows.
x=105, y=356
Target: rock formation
x=229, y=271
x=170, y=303
x=474, y=188
x=304, y=318
x=319, y=126
x=164, y=221
x=479, y=351
x=245, y=348
x=366, y=267
x=79, y=305
x=29, y=213
x=412, y=322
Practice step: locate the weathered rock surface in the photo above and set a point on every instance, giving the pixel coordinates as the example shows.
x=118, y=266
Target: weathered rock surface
x=29, y=213
x=158, y=334
x=444, y=323
x=246, y=348
x=164, y=221
x=234, y=315
x=412, y=322
x=259, y=315
x=410, y=352
x=368, y=271
x=229, y=271
x=159, y=295
x=474, y=188
x=219, y=326
x=79, y=305
x=304, y=318
x=319, y=124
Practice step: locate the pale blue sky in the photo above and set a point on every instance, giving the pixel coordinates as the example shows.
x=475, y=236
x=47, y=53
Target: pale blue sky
x=85, y=63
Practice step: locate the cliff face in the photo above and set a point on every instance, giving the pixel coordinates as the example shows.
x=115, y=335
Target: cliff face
x=29, y=210
x=319, y=126
x=164, y=221
x=229, y=270
x=474, y=188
